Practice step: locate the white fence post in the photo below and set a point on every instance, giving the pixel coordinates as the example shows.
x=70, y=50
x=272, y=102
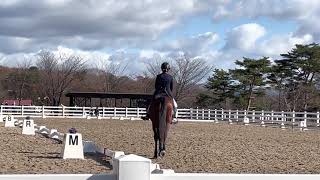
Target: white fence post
x=230, y=121
x=190, y=113
x=262, y=119
x=43, y=114
x=305, y=117
x=253, y=116
x=282, y=120
x=202, y=114
x=272, y=116
x=126, y=115
x=63, y=113
x=197, y=114
x=293, y=117
x=245, y=113
x=237, y=115
x=209, y=114
x=114, y=112
x=215, y=116
x=318, y=116
x=83, y=112
x=22, y=110
x=138, y=113
x=246, y=120
x=222, y=114
x=103, y=111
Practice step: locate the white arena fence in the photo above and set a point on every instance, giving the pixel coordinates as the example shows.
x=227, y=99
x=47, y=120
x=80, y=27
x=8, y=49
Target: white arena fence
x=133, y=167
x=310, y=119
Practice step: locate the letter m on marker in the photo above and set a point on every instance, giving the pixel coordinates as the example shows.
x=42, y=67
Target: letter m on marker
x=28, y=123
x=73, y=141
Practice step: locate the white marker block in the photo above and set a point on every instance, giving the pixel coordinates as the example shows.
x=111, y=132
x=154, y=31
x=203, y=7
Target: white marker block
x=54, y=134
x=43, y=130
x=132, y=167
x=302, y=124
x=246, y=121
x=73, y=147
x=9, y=121
x=262, y=124
x=19, y=123
x=28, y=127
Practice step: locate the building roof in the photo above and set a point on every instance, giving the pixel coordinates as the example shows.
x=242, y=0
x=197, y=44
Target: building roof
x=11, y=102
x=109, y=95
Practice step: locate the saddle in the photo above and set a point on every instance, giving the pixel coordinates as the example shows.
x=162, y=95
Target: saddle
x=160, y=95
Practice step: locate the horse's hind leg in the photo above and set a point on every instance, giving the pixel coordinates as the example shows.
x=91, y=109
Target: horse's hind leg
x=156, y=138
x=163, y=128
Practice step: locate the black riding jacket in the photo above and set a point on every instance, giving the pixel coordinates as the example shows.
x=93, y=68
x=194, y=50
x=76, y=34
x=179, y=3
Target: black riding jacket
x=164, y=84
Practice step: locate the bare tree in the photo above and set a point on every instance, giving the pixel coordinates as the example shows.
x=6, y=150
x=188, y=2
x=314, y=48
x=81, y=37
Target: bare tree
x=111, y=73
x=23, y=71
x=188, y=72
x=153, y=67
x=58, y=73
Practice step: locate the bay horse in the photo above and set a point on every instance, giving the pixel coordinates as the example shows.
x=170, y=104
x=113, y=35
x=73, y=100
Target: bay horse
x=161, y=117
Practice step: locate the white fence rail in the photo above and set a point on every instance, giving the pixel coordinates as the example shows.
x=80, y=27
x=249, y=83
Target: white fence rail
x=209, y=115
x=70, y=112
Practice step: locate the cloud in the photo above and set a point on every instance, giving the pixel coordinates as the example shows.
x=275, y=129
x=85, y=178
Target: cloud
x=253, y=41
x=305, y=13
x=100, y=23
x=94, y=24
x=194, y=45
x=244, y=37
x=139, y=27
x=277, y=44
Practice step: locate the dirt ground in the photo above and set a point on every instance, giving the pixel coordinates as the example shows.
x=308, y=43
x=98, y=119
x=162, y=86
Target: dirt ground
x=191, y=147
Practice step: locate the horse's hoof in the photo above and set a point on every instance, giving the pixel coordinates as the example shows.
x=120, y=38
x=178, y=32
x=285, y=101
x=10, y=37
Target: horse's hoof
x=162, y=153
x=145, y=118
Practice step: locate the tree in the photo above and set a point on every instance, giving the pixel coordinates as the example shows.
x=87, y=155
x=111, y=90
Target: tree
x=281, y=78
x=251, y=78
x=220, y=84
x=21, y=81
x=58, y=73
x=305, y=63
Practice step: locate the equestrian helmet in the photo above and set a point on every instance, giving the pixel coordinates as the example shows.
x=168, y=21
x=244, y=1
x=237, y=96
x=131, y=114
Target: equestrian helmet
x=165, y=66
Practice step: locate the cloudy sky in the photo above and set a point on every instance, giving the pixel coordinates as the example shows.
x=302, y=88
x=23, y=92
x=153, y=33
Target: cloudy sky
x=136, y=31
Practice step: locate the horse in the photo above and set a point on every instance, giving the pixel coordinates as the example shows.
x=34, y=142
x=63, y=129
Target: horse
x=161, y=118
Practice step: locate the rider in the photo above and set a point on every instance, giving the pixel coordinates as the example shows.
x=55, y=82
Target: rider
x=163, y=85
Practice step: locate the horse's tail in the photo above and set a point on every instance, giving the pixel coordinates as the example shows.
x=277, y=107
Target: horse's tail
x=163, y=119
